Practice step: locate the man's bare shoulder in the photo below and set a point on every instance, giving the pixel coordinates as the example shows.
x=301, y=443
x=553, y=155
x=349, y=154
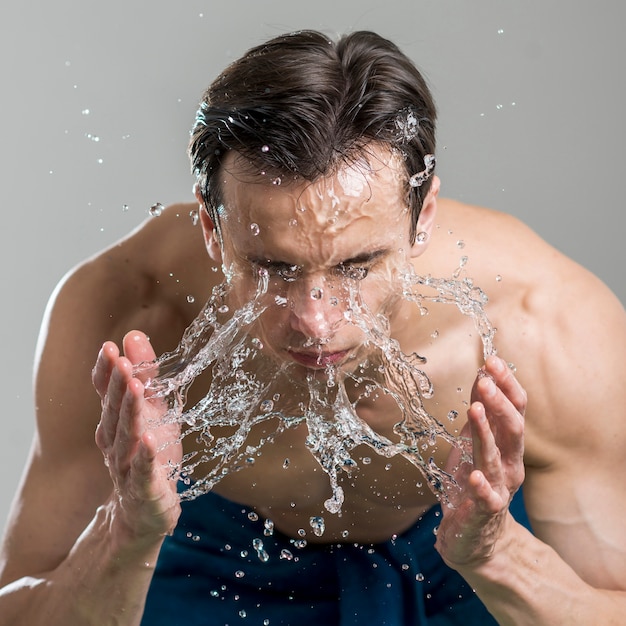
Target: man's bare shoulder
x=154, y=280
x=556, y=322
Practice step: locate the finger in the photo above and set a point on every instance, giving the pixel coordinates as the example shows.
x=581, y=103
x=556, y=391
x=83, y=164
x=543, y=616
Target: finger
x=484, y=495
x=112, y=402
x=505, y=379
x=138, y=349
x=487, y=456
x=130, y=425
x=506, y=421
x=105, y=362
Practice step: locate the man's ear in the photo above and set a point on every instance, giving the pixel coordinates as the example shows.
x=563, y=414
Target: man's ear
x=426, y=220
x=208, y=228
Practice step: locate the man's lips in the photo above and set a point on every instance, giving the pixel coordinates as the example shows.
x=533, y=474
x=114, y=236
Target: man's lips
x=318, y=360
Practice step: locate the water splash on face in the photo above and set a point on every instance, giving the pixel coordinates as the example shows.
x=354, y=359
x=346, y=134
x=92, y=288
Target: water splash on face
x=247, y=389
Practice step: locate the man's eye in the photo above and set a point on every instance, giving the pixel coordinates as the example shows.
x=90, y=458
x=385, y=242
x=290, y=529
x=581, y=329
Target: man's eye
x=353, y=272
x=288, y=273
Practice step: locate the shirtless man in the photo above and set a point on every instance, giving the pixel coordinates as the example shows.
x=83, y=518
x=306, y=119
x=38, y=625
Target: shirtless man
x=346, y=127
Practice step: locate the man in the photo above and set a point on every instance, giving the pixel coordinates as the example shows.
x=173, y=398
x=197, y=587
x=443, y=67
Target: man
x=315, y=175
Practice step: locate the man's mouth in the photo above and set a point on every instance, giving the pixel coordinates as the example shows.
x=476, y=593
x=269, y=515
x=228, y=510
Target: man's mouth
x=318, y=360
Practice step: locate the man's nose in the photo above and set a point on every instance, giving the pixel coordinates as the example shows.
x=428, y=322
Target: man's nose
x=316, y=308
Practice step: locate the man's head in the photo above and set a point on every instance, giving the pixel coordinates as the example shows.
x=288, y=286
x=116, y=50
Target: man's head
x=303, y=106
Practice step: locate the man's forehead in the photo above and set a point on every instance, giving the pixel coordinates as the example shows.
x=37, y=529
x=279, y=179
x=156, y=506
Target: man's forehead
x=244, y=179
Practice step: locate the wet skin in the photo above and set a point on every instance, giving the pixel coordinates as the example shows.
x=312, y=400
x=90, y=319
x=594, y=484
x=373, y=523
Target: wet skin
x=314, y=239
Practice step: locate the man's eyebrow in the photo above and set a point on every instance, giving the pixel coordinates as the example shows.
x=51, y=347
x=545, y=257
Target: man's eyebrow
x=365, y=257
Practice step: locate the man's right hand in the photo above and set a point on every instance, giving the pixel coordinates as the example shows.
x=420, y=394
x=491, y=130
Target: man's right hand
x=135, y=450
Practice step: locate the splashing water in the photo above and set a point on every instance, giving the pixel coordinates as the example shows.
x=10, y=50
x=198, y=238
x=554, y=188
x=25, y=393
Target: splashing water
x=244, y=391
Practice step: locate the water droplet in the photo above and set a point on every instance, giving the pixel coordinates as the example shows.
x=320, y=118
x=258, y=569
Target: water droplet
x=435, y=334
x=156, y=209
x=500, y=31
x=345, y=533
x=286, y=554
x=266, y=406
x=257, y=343
x=498, y=278
x=276, y=397
x=223, y=309
x=277, y=181
x=334, y=301
x=124, y=208
x=366, y=460
x=266, y=622
x=405, y=566
x=419, y=577
x=452, y=415
x=318, y=525
x=243, y=554
x=195, y=216
x=85, y=111
x=254, y=229
x=195, y=538
x=265, y=148
x=242, y=613
x=285, y=463
x=316, y=293
x=252, y=516
x=190, y=299
x=293, y=222
x=460, y=244
x=239, y=574
x=268, y=528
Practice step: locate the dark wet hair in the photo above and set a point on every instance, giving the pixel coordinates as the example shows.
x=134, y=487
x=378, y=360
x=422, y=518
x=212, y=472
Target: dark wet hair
x=304, y=105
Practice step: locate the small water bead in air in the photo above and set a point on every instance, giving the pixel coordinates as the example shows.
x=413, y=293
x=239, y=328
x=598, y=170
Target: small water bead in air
x=318, y=525
x=265, y=148
x=286, y=555
x=316, y=293
x=260, y=550
x=422, y=237
x=195, y=216
x=266, y=406
x=268, y=528
x=254, y=229
x=156, y=209
x=239, y=574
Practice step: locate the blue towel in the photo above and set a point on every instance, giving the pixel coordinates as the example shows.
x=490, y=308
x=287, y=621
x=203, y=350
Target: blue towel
x=215, y=571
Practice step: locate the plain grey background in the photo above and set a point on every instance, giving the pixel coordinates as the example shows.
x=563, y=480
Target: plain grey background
x=97, y=99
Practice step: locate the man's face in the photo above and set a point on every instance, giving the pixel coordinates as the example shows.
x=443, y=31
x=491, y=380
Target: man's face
x=325, y=246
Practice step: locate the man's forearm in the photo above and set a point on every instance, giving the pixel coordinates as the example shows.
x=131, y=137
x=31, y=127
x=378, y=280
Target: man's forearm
x=528, y=584
x=104, y=580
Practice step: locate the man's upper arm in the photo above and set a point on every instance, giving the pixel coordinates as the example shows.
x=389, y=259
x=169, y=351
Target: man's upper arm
x=65, y=478
x=575, y=487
